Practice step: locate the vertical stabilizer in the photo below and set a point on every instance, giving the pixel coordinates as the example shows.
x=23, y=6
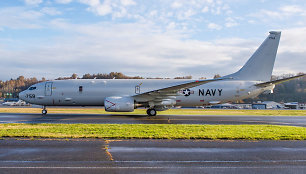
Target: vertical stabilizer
x=260, y=65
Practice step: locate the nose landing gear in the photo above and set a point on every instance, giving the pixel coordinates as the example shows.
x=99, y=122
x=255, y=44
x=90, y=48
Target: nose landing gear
x=44, y=111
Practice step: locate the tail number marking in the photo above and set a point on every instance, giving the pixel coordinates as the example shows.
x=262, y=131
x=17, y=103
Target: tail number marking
x=30, y=95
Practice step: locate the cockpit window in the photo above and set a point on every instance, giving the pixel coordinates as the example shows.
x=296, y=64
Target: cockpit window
x=32, y=88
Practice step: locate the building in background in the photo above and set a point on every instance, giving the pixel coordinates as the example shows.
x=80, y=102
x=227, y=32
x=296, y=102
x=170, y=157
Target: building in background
x=295, y=105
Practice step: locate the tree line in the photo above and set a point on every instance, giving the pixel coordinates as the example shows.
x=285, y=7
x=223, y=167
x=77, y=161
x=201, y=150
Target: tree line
x=11, y=88
x=294, y=90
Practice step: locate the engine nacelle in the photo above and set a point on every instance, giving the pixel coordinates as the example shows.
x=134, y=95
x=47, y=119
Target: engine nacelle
x=168, y=102
x=119, y=104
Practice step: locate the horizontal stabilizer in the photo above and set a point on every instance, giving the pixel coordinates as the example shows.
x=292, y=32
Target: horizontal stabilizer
x=279, y=81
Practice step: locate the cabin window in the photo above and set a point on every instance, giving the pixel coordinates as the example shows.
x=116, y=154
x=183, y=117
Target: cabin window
x=80, y=88
x=32, y=88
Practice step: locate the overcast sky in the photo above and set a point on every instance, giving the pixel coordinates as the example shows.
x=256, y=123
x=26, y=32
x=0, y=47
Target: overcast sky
x=151, y=38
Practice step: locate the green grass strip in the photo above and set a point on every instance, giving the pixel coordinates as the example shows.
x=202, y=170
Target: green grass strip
x=154, y=131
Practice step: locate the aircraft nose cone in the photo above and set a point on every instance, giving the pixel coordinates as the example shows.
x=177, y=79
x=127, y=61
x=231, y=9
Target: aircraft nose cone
x=22, y=95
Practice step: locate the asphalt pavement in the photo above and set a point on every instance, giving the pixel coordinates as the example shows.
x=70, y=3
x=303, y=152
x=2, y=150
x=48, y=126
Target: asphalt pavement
x=151, y=156
x=143, y=119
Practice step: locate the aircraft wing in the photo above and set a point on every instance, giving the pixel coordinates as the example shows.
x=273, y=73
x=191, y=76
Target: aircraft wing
x=278, y=81
x=171, y=90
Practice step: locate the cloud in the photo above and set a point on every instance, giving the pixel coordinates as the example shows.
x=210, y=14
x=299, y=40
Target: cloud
x=291, y=52
x=50, y=11
x=63, y=1
x=115, y=8
x=176, y=5
x=145, y=39
x=293, y=40
x=230, y=22
x=20, y=18
x=263, y=14
x=205, y=9
x=214, y=26
x=292, y=9
x=33, y=2
x=141, y=49
x=128, y=2
x=290, y=57
x=282, y=13
x=103, y=9
x=97, y=7
x=167, y=10
x=94, y=48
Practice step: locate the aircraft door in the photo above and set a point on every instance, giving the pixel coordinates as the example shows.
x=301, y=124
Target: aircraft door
x=48, y=88
x=137, y=89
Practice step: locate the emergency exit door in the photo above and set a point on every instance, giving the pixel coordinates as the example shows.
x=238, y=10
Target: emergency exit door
x=48, y=88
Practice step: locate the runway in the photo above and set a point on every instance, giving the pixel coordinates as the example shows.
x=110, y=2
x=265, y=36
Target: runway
x=151, y=156
x=142, y=119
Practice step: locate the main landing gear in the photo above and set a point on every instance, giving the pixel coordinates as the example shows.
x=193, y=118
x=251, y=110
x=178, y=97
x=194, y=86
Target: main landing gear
x=44, y=111
x=151, y=112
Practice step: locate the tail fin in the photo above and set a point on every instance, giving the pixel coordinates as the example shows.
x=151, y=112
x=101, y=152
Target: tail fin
x=259, y=67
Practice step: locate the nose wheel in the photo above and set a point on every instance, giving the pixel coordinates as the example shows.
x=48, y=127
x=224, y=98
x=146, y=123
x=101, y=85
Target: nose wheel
x=151, y=112
x=44, y=111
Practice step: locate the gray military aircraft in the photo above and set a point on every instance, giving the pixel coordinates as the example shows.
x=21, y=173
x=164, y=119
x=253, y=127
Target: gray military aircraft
x=125, y=95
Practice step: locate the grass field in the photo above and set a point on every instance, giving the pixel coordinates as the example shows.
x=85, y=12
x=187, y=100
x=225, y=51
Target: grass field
x=168, y=112
x=154, y=131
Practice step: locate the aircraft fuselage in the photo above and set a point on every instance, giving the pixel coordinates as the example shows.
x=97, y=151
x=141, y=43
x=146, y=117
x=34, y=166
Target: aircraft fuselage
x=92, y=92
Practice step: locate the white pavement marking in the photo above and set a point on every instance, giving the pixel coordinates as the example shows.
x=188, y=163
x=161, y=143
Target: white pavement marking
x=199, y=149
x=162, y=161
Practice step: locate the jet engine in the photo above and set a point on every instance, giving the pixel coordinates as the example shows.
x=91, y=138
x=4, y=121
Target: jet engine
x=119, y=104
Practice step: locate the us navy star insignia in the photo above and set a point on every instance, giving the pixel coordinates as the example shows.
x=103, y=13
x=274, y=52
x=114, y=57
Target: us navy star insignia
x=186, y=92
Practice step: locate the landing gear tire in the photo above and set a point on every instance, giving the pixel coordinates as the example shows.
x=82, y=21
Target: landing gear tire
x=151, y=112
x=44, y=112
